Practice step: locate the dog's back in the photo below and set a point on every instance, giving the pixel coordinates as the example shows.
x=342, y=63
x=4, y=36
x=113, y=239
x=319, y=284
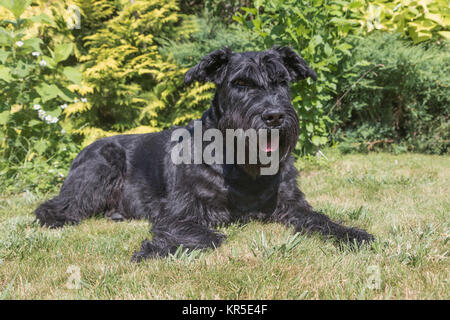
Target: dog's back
x=98, y=175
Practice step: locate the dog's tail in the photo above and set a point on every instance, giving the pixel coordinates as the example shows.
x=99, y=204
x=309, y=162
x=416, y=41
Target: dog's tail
x=54, y=213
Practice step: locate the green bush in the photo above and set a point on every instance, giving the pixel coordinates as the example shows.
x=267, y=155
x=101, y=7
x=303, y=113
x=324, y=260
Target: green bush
x=131, y=87
x=211, y=34
x=40, y=176
x=418, y=20
x=221, y=9
x=33, y=89
x=403, y=101
x=316, y=29
x=122, y=72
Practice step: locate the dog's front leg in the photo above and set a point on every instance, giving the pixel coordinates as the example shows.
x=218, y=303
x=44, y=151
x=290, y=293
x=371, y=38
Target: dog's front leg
x=295, y=211
x=168, y=236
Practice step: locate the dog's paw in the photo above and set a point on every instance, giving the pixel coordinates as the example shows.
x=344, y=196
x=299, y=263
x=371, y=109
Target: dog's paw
x=57, y=223
x=148, y=251
x=116, y=217
x=359, y=237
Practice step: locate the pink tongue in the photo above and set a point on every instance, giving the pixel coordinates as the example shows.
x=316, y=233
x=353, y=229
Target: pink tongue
x=269, y=147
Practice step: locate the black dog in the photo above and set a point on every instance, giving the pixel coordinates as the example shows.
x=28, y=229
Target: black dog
x=132, y=176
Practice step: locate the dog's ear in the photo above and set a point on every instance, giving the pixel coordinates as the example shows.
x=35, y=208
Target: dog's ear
x=297, y=67
x=210, y=69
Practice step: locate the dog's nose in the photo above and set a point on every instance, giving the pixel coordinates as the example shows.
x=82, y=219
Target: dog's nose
x=272, y=118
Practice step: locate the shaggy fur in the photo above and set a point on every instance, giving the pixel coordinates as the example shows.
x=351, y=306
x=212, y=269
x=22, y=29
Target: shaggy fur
x=133, y=177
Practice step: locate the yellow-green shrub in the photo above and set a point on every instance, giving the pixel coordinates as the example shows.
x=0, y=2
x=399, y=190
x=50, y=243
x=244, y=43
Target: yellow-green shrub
x=130, y=86
x=421, y=20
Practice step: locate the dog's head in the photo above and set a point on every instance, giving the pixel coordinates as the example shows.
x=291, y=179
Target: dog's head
x=252, y=90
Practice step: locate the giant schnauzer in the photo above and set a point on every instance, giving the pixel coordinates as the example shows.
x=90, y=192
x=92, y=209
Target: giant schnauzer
x=133, y=176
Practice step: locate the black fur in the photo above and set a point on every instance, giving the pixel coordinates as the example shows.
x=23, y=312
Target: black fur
x=132, y=176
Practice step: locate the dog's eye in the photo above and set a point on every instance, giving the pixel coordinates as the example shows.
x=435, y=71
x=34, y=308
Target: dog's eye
x=243, y=83
x=280, y=83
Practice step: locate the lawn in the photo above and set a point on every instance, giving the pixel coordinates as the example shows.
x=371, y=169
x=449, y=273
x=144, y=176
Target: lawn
x=402, y=199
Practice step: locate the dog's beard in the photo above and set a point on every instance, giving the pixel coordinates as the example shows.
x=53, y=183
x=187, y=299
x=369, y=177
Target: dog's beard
x=284, y=143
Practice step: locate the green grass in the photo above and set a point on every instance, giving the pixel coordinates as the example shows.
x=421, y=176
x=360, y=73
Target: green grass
x=402, y=199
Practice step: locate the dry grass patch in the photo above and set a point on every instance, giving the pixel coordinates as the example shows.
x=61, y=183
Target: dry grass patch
x=402, y=199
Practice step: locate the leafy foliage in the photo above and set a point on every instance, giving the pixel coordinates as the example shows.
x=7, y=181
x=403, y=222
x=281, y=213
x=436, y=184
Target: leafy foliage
x=223, y=9
x=39, y=176
x=131, y=86
x=420, y=20
x=33, y=87
x=74, y=71
x=211, y=35
x=404, y=100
